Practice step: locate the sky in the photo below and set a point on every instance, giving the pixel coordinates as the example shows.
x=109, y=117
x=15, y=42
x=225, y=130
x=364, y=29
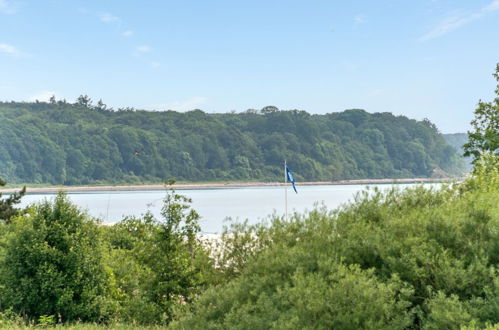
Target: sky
x=422, y=59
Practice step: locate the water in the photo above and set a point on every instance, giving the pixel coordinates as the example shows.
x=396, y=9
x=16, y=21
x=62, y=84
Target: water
x=214, y=205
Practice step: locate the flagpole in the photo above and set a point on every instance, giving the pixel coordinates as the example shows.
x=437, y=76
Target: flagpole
x=286, y=190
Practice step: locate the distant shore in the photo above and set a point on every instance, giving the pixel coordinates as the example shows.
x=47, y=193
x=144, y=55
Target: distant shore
x=180, y=186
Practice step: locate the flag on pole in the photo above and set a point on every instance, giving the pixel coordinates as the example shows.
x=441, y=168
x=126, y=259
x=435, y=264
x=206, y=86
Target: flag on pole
x=291, y=178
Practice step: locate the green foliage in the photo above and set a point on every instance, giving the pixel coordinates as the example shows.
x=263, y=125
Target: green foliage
x=158, y=264
x=237, y=245
x=7, y=209
x=53, y=264
x=445, y=312
x=457, y=141
x=485, y=136
x=46, y=320
x=62, y=143
x=419, y=258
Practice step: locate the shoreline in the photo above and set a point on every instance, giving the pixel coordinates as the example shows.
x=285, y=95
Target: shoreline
x=184, y=186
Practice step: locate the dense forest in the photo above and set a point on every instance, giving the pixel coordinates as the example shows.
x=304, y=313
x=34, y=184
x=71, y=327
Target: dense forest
x=64, y=143
x=457, y=141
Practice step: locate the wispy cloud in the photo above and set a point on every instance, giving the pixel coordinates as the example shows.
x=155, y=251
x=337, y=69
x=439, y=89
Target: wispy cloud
x=124, y=31
x=9, y=6
x=3, y=5
x=9, y=49
x=359, y=19
x=494, y=5
x=108, y=18
x=6, y=7
x=104, y=17
x=127, y=33
x=142, y=49
x=450, y=24
x=455, y=21
x=13, y=51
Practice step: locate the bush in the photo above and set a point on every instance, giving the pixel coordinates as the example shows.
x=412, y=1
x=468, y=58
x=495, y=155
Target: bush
x=53, y=264
x=418, y=258
x=158, y=264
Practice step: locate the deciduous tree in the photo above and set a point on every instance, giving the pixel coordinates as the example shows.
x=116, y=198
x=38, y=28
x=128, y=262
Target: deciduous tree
x=485, y=135
x=53, y=264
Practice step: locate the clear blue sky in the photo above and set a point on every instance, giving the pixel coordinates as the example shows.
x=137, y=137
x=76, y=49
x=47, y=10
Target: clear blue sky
x=425, y=58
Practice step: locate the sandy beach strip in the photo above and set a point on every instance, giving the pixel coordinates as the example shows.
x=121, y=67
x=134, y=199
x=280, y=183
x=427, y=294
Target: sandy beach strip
x=180, y=186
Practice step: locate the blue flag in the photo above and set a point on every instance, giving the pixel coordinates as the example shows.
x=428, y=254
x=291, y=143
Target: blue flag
x=290, y=178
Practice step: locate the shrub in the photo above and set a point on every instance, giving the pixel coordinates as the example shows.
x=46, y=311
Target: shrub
x=53, y=264
x=158, y=264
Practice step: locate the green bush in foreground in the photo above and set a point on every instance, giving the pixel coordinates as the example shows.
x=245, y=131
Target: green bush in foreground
x=420, y=258
x=157, y=264
x=52, y=265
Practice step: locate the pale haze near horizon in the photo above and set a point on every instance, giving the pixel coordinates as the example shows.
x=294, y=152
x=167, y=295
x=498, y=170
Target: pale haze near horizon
x=426, y=59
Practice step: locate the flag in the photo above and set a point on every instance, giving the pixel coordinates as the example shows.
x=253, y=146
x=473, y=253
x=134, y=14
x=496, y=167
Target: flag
x=290, y=178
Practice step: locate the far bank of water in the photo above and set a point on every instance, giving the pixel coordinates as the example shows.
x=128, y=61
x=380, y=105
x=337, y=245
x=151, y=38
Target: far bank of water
x=214, y=205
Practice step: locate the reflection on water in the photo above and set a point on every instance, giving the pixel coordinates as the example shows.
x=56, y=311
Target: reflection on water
x=214, y=205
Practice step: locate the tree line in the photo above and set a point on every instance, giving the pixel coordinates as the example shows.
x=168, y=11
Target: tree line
x=58, y=142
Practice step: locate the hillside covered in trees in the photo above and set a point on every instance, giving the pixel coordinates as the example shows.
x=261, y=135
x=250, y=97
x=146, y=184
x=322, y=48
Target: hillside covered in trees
x=64, y=143
x=457, y=140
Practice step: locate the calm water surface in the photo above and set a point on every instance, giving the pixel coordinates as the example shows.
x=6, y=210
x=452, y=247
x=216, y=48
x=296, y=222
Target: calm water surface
x=214, y=205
